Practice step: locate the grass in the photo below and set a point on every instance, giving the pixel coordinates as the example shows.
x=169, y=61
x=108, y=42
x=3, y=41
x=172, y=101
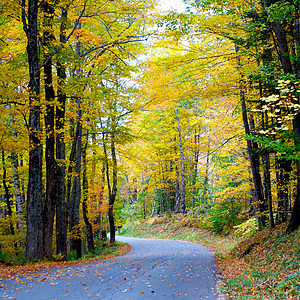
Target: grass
x=265, y=266
x=180, y=228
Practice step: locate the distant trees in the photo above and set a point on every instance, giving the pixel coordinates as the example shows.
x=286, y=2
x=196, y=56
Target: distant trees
x=244, y=57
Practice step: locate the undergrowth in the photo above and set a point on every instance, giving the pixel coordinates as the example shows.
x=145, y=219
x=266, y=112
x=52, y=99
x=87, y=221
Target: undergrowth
x=267, y=266
x=10, y=266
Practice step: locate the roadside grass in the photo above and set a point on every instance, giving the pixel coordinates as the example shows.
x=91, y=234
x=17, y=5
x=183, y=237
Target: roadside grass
x=179, y=227
x=10, y=267
x=264, y=266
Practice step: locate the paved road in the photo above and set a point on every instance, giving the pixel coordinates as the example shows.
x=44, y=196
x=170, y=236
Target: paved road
x=160, y=269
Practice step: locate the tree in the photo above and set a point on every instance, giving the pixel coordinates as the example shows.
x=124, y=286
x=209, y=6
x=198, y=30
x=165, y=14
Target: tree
x=35, y=238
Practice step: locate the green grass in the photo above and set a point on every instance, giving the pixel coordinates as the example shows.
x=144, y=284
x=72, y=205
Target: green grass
x=180, y=228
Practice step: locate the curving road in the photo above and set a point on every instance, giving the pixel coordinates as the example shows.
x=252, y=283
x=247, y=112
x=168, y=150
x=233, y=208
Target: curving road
x=160, y=269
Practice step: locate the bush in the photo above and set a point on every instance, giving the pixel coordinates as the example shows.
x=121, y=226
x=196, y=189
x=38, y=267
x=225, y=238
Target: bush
x=247, y=229
x=222, y=217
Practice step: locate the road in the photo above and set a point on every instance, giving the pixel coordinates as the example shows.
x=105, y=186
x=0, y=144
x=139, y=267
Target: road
x=160, y=269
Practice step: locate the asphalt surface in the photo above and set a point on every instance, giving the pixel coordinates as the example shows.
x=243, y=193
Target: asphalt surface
x=160, y=269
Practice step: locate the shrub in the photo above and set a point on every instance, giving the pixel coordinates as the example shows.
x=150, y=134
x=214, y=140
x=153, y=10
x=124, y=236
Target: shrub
x=222, y=217
x=247, y=229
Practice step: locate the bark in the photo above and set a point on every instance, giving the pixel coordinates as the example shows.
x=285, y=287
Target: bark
x=49, y=204
x=177, y=192
x=195, y=167
x=205, y=181
x=17, y=183
x=61, y=214
x=281, y=39
x=284, y=168
x=182, y=175
x=18, y=191
x=267, y=187
x=112, y=189
x=88, y=225
x=295, y=217
x=34, y=245
x=75, y=241
x=252, y=148
x=7, y=195
x=72, y=160
x=266, y=175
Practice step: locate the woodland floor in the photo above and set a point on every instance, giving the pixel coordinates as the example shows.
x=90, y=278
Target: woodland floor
x=266, y=266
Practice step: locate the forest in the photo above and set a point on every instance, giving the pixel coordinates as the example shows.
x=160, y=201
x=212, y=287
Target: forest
x=117, y=110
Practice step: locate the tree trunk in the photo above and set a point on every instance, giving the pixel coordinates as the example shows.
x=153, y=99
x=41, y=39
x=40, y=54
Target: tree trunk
x=182, y=176
x=295, y=217
x=267, y=187
x=17, y=183
x=49, y=204
x=283, y=169
x=195, y=167
x=205, y=180
x=72, y=160
x=61, y=214
x=177, y=192
x=252, y=148
x=254, y=163
x=7, y=195
x=112, y=190
x=18, y=191
x=89, y=228
x=75, y=242
x=34, y=246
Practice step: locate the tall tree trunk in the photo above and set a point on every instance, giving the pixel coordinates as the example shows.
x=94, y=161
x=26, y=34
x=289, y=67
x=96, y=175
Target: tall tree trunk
x=89, y=228
x=206, y=178
x=112, y=190
x=266, y=175
x=295, y=217
x=283, y=177
x=182, y=175
x=7, y=195
x=49, y=204
x=177, y=191
x=267, y=187
x=72, y=160
x=61, y=214
x=18, y=190
x=252, y=148
x=75, y=242
x=195, y=167
x=17, y=183
x=34, y=245
x=254, y=163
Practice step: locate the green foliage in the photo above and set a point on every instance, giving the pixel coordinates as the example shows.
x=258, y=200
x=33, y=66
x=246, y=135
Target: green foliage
x=13, y=258
x=57, y=257
x=72, y=255
x=223, y=216
x=11, y=250
x=247, y=229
